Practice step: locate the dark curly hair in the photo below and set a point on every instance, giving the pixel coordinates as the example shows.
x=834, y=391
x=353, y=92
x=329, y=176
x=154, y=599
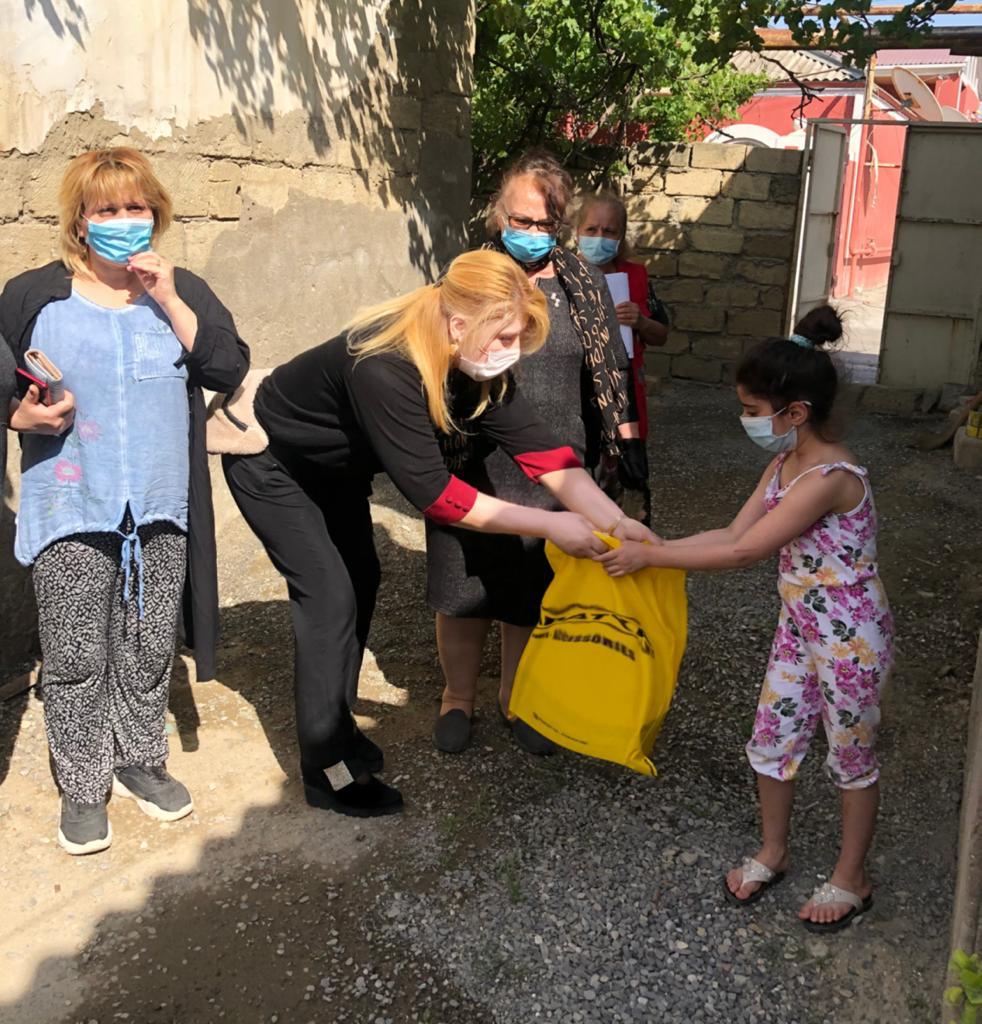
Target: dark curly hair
x=782, y=371
x=554, y=183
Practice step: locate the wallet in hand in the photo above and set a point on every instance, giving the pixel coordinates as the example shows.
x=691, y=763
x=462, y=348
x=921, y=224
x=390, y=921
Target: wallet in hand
x=41, y=367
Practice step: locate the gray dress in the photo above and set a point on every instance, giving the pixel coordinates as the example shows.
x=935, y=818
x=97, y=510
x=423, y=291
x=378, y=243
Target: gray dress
x=501, y=576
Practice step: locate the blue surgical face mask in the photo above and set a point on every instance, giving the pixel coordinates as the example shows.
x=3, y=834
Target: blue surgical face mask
x=760, y=430
x=527, y=246
x=119, y=239
x=598, y=250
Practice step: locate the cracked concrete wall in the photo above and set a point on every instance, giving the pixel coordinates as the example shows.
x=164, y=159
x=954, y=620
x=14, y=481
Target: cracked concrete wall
x=318, y=153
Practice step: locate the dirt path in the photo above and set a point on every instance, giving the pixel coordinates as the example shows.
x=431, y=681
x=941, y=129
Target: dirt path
x=511, y=890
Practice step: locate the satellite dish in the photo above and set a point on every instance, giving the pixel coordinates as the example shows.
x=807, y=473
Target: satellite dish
x=916, y=95
x=953, y=114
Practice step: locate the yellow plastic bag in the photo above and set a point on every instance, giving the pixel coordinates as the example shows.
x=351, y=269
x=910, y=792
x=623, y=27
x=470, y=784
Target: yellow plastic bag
x=599, y=672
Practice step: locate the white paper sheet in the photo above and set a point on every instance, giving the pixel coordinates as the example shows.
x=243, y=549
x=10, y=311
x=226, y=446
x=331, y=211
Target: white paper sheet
x=617, y=283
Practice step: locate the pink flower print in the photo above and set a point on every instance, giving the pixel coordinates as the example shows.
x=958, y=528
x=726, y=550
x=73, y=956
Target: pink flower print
x=885, y=624
x=807, y=622
x=826, y=543
x=865, y=610
x=811, y=692
x=67, y=472
x=855, y=762
x=785, y=562
x=88, y=431
x=847, y=681
x=767, y=727
x=785, y=646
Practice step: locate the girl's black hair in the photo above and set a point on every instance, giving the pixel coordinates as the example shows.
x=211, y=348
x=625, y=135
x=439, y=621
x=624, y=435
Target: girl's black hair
x=782, y=371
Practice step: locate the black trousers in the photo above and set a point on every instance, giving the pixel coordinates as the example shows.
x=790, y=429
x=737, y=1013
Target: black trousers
x=318, y=534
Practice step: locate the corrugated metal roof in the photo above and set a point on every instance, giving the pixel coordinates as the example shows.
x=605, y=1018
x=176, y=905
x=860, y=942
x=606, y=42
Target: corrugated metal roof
x=905, y=58
x=809, y=66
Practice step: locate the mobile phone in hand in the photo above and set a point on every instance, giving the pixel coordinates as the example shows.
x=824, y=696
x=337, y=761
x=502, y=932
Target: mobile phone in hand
x=25, y=380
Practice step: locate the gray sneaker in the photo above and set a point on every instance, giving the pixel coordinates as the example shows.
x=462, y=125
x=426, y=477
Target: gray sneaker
x=84, y=828
x=155, y=791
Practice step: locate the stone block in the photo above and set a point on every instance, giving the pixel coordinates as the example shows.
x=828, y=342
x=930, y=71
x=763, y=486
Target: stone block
x=658, y=235
x=23, y=246
x=224, y=197
x=760, y=323
x=718, y=346
x=721, y=156
x=733, y=294
x=764, y=272
x=716, y=239
x=748, y=186
x=773, y=245
x=767, y=216
x=968, y=451
x=12, y=172
x=663, y=154
x=680, y=290
x=785, y=188
x=676, y=343
x=450, y=114
x=774, y=161
x=269, y=185
x=772, y=298
x=41, y=188
x=656, y=364
x=189, y=182
x=647, y=179
x=406, y=113
x=703, y=264
x=695, y=182
x=656, y=206
x=691, y=367
x=697, y=318
x=704, y=210
x=661, y=264
x=891, y=401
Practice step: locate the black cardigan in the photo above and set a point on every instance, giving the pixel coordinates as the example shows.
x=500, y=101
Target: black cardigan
x=218, y=361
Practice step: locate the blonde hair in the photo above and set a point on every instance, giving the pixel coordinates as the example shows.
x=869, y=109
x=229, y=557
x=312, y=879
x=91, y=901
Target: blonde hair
x=99, y=176
x=605, y=198
x=483, y=287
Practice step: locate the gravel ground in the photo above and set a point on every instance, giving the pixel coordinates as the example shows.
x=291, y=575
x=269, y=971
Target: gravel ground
x=562, y=889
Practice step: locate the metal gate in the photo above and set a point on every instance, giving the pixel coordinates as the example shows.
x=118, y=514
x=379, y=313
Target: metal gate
x=933, y=325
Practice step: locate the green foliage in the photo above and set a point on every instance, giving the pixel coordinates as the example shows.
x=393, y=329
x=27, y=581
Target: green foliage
x=968, y=992
x=609, y=66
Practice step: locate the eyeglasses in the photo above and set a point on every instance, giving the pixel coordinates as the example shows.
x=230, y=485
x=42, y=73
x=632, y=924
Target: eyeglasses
x=527, y=224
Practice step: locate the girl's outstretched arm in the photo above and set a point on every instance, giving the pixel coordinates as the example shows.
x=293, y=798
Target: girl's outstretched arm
x=800, y=508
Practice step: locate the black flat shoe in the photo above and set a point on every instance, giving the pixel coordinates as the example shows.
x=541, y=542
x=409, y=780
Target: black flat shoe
x=452, y=732
x=527, y=738
x=369, y=799
x=369, y=752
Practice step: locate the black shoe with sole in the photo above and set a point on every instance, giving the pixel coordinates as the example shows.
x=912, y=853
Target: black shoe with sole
x=369, y=752
x=527, y=738
x=84, y=828
x=452, y=732
x=369, y=799
x=155, y=791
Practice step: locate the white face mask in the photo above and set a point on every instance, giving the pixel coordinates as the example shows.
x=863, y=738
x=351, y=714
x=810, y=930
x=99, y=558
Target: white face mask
x=494, y=365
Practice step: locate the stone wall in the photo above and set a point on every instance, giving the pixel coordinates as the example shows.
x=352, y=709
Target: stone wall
x=715, y=225
x=318, y=153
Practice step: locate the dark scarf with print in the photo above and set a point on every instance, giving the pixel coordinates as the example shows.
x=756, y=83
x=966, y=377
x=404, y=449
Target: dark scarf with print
x=586, y=302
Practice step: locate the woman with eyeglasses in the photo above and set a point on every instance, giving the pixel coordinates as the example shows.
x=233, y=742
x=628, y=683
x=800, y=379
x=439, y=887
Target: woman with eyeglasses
x=577, y=383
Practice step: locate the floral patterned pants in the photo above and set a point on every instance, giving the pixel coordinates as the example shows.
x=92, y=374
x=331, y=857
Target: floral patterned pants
x=832, y=654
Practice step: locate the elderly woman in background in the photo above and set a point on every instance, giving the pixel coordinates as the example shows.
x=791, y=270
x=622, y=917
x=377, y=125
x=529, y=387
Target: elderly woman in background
x=115, y=509
x=577, y=383
x=601, y=238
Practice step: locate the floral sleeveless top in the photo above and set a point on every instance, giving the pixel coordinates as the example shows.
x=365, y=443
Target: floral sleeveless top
x=839, y=550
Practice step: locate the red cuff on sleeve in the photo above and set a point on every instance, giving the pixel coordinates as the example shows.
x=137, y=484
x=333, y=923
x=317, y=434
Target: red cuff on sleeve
x=455, y=501
x=535, y=464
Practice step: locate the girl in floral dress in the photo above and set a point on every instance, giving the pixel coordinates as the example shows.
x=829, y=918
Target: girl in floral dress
x=833, y=648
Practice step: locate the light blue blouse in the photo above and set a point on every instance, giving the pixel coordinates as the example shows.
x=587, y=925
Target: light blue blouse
x=128, y=446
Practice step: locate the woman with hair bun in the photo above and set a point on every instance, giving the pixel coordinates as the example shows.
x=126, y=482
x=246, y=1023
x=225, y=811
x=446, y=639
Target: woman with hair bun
x=833, y=649
x=401, y=386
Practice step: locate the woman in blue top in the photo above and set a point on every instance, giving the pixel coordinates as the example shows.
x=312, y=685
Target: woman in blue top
x=111, y=481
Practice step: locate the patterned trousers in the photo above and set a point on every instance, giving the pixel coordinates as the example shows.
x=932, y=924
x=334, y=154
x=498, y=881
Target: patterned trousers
x=106, y=672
